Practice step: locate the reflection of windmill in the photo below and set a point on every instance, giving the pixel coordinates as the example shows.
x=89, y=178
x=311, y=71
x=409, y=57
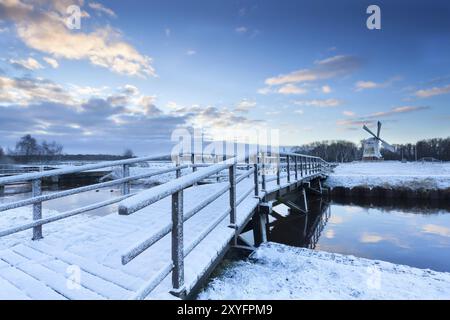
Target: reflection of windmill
x=372, y=145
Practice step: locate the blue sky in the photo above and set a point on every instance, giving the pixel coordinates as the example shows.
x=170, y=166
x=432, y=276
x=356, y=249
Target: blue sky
x=137, y=70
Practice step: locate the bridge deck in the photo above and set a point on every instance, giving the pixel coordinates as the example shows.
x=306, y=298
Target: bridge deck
x=40, y=269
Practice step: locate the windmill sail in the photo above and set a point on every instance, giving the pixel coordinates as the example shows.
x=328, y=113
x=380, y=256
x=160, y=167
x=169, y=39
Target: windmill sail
x=372, y=145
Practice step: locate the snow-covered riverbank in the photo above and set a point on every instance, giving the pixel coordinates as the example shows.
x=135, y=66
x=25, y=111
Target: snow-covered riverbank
x=391, y=174
x=277, y=271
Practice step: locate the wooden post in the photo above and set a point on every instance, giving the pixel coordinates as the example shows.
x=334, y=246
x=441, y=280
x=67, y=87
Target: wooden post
x=125, y=174
x=194, y=168
x=232, y=179
x=36, y=190
x=178, y=171
x=247, y=155
x=301, y=167
x=288, y=165
x=296, y=168
x=305, y=199
x=224, y=147
x=263, y=172
x=2, y=190
x=259, y=223
x=177, y=245
x=278, y=171
x=256, y=180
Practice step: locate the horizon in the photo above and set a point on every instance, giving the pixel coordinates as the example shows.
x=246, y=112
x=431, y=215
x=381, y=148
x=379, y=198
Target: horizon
x=135, y=72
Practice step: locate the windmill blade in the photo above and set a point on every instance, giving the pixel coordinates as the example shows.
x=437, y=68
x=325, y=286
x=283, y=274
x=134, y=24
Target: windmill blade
x=368, y=130
x=379, y=129
x=387, y=146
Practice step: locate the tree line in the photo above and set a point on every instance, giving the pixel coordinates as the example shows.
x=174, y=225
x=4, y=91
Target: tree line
x=29, y=149
x=345, y=151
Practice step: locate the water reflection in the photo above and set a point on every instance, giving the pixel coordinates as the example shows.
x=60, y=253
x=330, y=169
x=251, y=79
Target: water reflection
x=404, y=232
x=300, y=230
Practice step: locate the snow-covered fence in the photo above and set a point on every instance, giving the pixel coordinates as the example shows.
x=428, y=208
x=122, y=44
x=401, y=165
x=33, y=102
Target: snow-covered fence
x=38, y=198
x=301, y=165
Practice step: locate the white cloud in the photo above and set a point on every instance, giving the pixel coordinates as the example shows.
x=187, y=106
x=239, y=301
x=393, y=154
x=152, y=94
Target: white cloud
x=102, y=9
x=426, y=93
x=241, y=30
x=326, y=89
x=30, y=63
x=291, y=89
x=191, y=52
x=245, y=106
x=364, y=85
x=323, y=69
x=168, y=32
x=265, y=90
x=299, y=111
x=349, y=113
x=319, y=103
x=24, y=91
x=436, y=229
x=45, y=31
x=52, y=62
x=372, y=117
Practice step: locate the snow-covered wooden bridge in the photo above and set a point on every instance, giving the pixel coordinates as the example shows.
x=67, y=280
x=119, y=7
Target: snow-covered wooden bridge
x=164, y=241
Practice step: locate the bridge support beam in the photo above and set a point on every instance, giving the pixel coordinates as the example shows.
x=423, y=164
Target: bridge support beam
x=305, y=200
x=259, y=222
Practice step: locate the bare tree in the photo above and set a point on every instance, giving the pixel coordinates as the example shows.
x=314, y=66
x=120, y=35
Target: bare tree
x=27, y=146
x=128, y=153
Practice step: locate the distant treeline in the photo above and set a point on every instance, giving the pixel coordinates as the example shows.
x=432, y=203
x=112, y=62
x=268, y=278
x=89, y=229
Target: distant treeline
x=28, y=150
x=345, y=151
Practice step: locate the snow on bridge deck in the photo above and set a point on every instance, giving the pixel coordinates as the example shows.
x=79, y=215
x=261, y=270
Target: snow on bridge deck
x=41, y=269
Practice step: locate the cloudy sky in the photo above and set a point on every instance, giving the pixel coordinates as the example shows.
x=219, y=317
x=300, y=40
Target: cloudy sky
x=137, y=70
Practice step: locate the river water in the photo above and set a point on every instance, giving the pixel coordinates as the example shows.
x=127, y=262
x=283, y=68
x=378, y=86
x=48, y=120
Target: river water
x=410, y=233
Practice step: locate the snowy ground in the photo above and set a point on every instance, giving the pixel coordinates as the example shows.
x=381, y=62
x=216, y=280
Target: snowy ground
x=277, y=271
x=23, y=215
x=415, y=175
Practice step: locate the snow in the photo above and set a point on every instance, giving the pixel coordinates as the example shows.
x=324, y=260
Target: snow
x=415, y=175
x=19, y=216
x=276, y=271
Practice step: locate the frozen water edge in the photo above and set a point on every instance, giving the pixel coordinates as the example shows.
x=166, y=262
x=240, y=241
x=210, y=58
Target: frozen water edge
x=278, y=271
x=391, y=174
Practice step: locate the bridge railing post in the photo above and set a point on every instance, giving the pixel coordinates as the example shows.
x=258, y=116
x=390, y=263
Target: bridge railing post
x=279, y=170
x=256, y=179
x=36, y=190
x=288, y=170
x=125, y=174
x=194, y=168
x=178, y=163
x=232, y=179
x=301, y=166
x=177, y=245
x=263, y=172
x=296, y=167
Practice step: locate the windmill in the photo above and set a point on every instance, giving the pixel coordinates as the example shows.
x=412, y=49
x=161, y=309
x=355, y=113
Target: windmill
x=372, y=145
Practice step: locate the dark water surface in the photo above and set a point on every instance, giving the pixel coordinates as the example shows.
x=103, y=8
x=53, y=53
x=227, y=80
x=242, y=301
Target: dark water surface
x=414, y=234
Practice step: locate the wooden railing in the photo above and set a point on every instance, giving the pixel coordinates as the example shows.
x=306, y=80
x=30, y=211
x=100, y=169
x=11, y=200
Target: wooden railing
x=301, y=165
x=259, y=165
x=37, y=198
